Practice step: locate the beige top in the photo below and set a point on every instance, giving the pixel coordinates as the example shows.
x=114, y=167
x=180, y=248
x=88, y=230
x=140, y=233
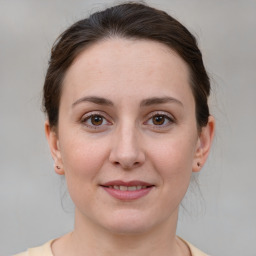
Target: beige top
x=45, y=250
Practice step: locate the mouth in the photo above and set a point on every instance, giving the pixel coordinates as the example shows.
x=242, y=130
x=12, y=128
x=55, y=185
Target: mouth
x=127, y=190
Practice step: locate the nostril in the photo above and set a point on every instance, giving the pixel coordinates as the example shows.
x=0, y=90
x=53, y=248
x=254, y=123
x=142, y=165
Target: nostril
x=126, y=165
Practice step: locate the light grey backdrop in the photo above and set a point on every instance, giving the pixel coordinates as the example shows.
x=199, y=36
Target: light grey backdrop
x=222, y=220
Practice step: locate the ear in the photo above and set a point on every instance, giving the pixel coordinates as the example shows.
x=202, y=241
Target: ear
x=53, y=142
x=204, y=144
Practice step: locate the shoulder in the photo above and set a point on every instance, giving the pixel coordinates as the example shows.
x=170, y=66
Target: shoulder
x=44, y=250
x=194, y=251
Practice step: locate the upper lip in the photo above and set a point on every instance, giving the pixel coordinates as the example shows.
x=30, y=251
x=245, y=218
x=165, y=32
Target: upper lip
x=126, y=183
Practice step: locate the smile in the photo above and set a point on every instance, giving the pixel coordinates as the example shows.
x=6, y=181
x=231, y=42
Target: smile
x=129, y=188
x=127, y=191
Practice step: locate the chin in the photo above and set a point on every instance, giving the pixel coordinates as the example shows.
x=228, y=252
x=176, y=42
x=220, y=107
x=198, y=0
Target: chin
x=129, y=223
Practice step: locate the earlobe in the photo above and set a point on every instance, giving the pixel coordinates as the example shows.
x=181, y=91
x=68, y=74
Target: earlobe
x=53, y=142
x=204, y=144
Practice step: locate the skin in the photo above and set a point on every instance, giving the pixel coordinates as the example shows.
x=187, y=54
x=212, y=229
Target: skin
x=128, y=145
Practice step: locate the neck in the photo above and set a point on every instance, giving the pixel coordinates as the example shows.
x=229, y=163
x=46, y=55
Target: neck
x=90, y=239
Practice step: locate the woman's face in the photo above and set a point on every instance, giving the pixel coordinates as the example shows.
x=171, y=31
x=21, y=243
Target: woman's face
x=127, y=137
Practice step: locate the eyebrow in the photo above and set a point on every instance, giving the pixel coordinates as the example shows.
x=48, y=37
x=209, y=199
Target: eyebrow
x=94, y=99
x=159, y=100
x=144, y=103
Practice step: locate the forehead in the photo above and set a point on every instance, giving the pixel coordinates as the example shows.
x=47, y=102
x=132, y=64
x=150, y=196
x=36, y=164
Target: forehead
x=127, y=66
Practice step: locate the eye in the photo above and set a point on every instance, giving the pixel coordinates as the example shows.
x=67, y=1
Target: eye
x=160, y=120
x=95, y=121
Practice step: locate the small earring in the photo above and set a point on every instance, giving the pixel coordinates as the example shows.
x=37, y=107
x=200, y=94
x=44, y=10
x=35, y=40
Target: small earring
x=198, y=164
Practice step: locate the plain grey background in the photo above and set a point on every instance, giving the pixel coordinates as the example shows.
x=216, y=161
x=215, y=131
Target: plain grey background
x=221, y=219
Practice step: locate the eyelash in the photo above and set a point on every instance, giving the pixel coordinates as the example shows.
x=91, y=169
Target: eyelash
x=167, y=118
x=90, y=116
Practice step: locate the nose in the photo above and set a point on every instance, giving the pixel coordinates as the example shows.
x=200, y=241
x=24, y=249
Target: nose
x=126, y=149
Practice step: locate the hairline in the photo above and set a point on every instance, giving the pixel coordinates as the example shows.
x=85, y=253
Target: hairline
x=116, y=35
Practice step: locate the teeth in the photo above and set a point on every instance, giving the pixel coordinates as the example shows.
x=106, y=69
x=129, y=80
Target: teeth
x=129, y=188
x=132, y=188
x=123, y=188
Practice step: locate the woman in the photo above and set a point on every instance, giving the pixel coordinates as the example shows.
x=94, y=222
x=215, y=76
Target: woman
x=127, y=123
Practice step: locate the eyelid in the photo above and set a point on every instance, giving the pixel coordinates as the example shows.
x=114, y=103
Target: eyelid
x=164, y=113
x=170, y=117
x=90, y=114
x=109, y=121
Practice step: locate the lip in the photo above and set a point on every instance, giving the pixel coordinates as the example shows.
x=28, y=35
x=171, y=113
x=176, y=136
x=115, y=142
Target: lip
x=126, y=183
x=127, y=195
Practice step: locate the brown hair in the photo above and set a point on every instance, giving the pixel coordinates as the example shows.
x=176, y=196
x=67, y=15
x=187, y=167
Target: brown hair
x=129, y=20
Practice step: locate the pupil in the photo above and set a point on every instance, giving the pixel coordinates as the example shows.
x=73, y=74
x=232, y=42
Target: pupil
x=158, y=120
x=97, y=120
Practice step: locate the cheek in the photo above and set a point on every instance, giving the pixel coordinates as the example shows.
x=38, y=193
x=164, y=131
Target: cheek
x=175, y=152
x=82, y=156
x=82, y=161
x=173, y=158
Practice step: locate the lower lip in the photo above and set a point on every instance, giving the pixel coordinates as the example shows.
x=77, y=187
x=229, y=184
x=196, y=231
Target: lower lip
x=127, y=194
